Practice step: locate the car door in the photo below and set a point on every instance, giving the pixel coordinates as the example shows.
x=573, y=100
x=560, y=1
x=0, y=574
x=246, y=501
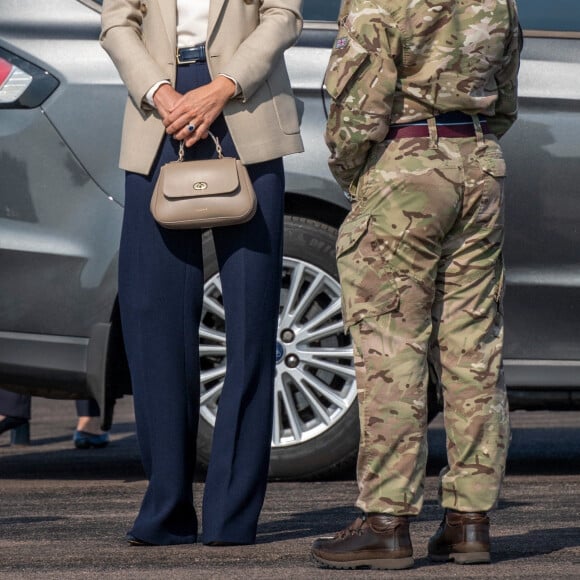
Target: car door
x=542, y=348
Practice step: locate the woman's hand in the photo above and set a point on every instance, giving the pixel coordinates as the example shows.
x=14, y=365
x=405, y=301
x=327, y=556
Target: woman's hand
x=198, y=109
x=165, y=98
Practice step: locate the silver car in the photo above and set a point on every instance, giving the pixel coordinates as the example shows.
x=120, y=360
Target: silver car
x=61, y=204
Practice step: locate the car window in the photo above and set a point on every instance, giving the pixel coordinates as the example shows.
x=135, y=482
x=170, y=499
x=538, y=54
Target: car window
x=563, y=15
x=554, y=15
x=321, y=10
x=312, y=9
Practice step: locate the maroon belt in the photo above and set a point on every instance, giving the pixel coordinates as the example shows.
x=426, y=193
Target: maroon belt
x=410, y=131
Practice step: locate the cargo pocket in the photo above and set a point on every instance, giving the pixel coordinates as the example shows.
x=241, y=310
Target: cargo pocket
x=347, y=58
x=494, y=166
x=368, y=284
x=490, y=212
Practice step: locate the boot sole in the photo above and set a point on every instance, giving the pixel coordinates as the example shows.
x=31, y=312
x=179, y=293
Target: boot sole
x=371, y=564
x=463, y=557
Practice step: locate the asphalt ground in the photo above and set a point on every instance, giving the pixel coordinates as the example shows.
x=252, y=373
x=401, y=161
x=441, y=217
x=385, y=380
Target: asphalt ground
x=64, y=512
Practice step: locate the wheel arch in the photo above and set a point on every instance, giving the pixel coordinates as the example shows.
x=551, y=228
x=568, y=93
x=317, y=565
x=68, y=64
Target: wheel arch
x=313, y=208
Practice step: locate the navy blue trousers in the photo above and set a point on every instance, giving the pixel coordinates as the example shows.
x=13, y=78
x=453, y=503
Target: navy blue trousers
x=161, y=291
x=14, y=404
x=18, y=405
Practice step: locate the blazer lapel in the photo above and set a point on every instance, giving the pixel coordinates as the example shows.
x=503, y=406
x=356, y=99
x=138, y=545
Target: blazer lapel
x=168, y=9
x=215, y=9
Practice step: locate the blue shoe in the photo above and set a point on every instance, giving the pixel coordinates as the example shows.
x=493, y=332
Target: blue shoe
x=84, y=440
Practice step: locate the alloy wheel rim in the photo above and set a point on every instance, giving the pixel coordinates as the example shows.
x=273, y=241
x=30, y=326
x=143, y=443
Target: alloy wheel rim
x=315, y=380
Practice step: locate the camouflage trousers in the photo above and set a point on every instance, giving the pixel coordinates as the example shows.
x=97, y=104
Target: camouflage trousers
x=421, y=270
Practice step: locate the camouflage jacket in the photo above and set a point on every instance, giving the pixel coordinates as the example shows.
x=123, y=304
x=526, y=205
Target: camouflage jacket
x=400, y=61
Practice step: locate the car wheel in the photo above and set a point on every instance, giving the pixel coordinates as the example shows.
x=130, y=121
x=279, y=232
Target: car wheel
x=315, y=430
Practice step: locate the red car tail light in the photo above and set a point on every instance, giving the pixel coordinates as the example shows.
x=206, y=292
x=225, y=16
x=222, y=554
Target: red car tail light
x=5, y=70
x=23, y=85
x=13, y=82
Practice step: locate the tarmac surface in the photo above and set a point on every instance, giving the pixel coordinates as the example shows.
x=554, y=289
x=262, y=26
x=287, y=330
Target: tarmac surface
x=64, y=512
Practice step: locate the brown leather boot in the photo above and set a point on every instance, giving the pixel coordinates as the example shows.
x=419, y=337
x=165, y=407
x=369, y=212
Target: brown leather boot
x=462, y=537
x=375, y=541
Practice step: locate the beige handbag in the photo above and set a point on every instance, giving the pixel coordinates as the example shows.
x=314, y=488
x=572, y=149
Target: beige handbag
x=203, y=194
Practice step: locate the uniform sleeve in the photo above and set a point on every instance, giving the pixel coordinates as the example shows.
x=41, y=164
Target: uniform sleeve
x=506, y=107
x=361, y=79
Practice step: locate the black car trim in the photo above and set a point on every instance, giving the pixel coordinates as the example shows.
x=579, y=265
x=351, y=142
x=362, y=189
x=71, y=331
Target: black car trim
x=42, y=86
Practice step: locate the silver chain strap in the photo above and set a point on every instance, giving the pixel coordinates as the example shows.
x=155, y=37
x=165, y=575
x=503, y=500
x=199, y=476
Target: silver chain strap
x=216, y=141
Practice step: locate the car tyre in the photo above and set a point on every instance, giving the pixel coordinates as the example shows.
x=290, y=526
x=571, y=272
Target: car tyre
x=303, y=447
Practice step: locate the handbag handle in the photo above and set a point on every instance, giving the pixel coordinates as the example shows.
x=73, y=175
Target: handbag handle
x=216, y=141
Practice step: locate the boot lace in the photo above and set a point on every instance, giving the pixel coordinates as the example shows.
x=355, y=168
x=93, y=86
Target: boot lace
x=355, y=529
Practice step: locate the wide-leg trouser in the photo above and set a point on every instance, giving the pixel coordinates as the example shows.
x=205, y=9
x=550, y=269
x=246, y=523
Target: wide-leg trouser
x=87, y=408
x=160, y=292
x=14, y=404
x=18, y=405
x=420, y=261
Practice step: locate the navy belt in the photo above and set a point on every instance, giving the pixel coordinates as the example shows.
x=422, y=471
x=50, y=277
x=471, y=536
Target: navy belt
x=191, y=54
x=452, y=124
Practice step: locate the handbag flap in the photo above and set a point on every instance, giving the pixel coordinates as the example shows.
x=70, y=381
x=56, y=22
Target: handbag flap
x=205, y=177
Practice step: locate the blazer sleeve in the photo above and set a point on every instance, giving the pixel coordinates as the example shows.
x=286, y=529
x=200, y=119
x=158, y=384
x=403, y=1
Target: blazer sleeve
x=121, y=38
x=278, y=29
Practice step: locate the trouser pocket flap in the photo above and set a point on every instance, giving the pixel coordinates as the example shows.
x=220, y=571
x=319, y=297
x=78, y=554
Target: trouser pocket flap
x=368, y=284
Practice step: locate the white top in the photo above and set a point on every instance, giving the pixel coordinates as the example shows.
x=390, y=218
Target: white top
x=192, y=19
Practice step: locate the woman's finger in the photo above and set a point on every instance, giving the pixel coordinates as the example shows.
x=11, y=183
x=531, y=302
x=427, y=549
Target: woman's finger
x=181, y=124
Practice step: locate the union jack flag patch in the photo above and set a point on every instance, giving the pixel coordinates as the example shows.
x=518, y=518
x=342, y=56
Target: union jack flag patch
x=341, y=42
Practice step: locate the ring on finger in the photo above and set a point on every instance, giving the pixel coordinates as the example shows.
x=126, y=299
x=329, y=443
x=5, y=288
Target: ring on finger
x=191, y=127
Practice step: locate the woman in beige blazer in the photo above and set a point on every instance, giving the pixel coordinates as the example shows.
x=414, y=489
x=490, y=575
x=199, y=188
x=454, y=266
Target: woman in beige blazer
x=191, y=66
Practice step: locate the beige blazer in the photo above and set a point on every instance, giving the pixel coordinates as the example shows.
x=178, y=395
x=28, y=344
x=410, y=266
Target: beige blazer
x=246, y=40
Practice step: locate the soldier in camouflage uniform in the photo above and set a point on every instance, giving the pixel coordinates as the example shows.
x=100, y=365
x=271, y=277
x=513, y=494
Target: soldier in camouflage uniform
x=422, y=90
